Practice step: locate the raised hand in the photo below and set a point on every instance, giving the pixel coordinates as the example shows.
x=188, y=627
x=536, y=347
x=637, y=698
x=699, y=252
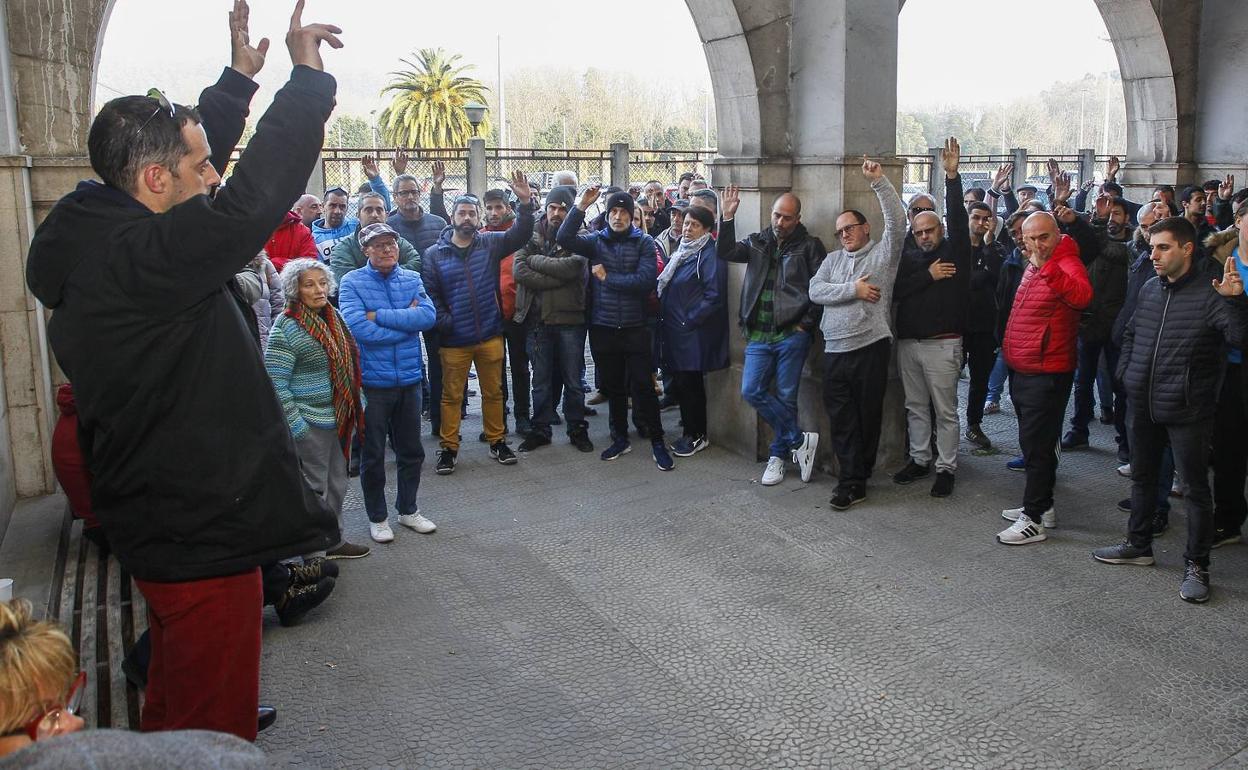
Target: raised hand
x=871, y=170
x=589, y=196
x=1102, y=206
x=243, y=57
x=991, y=235
x=369, y=163
x=399, y=162
x=730, y=201
x=1227, y=188
x=942, y=270
x=1064, y=214
x=520, y=186
x=1061, y=186
x=1111, y=172
x=304, y=42
x=950, y=156
x=439, y=176
x=1053, y=168
x=1001, y=180
x=1231, y=284
x=865, y=291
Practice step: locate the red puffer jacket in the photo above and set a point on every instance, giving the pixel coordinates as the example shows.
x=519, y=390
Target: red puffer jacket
x=1044, y=321
x=292, y=239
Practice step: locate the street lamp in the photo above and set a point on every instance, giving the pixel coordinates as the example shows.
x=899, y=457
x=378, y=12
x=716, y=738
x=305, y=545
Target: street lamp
x=476, y=114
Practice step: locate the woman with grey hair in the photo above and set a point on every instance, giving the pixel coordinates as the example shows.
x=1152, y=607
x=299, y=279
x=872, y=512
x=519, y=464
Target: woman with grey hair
x=315, y=366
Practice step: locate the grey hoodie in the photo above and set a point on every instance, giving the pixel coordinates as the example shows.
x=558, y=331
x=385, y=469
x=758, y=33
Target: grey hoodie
x=850, y=323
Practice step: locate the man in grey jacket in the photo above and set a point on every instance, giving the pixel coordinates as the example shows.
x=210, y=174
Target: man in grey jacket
x=854, y=285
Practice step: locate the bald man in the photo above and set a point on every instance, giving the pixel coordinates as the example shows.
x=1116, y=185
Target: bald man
x=777, y=317
x=933, y=293
x=1041, y=351
x=308, y=207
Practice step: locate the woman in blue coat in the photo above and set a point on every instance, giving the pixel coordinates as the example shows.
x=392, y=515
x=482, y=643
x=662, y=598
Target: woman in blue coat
x=693, y=324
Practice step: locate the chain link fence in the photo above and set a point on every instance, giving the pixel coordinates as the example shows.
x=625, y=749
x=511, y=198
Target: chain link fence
x=343, y=168
x=666, y=166
x=540, y=166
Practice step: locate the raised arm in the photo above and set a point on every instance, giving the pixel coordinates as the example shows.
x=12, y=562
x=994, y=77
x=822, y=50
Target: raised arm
x=569, y=236
x=727, y=247
x=437, y=200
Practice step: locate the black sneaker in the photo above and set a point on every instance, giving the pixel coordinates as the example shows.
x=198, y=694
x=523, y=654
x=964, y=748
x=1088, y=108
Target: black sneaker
x=846, y=496
x=1195, y=585
x=299, y=599
x=503, y=453
x=532, y=442
x=658, y=450
x=1073, y=440
x=1124, y=553
x=911, y=473
x=944, y=484
x=580, y=440
x=348, y=551
x=667, y=403
x=446, y=462
x=1124, y=505
x=976, y=436
x=312, y=570
x=1223, y=537
x=1161, y=522
x=1107, y=417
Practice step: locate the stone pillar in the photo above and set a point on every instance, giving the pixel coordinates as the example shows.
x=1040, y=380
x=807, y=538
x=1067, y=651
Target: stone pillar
x=476, y=167
x=619, y=165
x=1019, y=177
x=1087, y=165
x=936, y=178
x=316, y=181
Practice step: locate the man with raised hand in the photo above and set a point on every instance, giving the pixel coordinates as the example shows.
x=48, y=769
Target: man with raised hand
x=194, y=473
x=777, y=317
x=854, y=286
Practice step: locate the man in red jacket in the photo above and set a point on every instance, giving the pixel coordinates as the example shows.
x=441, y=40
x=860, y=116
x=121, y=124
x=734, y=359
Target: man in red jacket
x=1040, y=350
x=291, y=240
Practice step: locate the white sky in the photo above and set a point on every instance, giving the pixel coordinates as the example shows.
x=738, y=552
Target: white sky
x=181, y=46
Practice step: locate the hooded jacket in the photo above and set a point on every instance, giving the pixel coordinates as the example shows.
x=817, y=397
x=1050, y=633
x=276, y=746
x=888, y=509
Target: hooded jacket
x=1173, y=347
x=629, y=258
x=291, y=240
x=1040, y=335
x=550, y=280
x=464, y=283
x=194, y=471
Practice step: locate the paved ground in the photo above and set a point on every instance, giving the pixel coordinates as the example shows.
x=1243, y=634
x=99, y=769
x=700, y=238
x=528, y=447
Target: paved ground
x=574, y=613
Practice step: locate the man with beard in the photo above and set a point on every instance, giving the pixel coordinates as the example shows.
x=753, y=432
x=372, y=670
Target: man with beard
x=335, y=224
x=349, y=254
x=461, y=275
x=498, y=218
x=932, y=295
x=653, y=193
x=550, y=297
x=980, y=342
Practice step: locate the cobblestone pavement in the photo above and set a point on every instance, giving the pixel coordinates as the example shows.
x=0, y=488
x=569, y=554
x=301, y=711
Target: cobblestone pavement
x=575, y=613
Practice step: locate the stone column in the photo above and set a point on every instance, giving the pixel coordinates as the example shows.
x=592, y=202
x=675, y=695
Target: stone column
x=619, y=165
x=476, y=167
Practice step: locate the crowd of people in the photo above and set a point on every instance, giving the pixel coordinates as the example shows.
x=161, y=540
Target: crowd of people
x=282, y=340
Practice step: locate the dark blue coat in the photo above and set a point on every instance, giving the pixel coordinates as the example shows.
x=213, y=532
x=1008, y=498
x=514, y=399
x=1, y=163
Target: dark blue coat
x=464, y=288
x=693, y=315
x=630, y=259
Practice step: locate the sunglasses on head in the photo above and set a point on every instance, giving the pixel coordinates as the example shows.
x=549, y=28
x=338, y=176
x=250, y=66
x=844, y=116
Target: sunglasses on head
x=466, y=198
x=162, y=105
x=919, y=209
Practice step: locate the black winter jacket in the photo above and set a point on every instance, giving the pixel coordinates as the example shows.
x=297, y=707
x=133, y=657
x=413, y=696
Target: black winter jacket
x=1173, y=352
x=800, y=256
x=927, y=307
x=631, y=261
x=987, y=260
x=1138, y=272
x=1007, y=286
x=194, y=471
x=1108, y=276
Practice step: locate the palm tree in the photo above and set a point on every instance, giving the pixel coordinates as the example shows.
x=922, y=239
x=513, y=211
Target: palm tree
x=427, y=109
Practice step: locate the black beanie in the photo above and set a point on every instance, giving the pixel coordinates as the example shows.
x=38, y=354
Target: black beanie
x=620, y=200
x=564, y=193
x=702, y=215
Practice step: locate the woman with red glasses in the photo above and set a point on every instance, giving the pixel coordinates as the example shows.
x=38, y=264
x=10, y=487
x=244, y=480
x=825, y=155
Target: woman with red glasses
x=40, y=685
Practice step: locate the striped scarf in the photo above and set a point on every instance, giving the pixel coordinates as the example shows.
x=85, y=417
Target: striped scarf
x=328, y=329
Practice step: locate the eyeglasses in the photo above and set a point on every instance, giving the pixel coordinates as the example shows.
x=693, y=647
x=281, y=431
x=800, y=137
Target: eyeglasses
x=844, y=231
x=406, y=193
x=163, y=105
x=52, y=721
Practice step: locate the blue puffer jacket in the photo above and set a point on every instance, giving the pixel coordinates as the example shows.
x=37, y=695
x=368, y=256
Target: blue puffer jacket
x=390, y=344
x=464, y=284
x=620, y=301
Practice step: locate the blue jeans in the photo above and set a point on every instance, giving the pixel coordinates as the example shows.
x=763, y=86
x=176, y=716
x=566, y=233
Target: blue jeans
x=1085, y=386
x=779, y=364
x=563, y=347
x=393, y=412
x=996, y=380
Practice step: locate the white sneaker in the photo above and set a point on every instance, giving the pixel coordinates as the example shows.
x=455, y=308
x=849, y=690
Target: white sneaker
x=1125, y=470
x=417, y=522
x=381, y=531
x=1049, y=519
x=1022, y=532
x=774, y=473
x=804, y=455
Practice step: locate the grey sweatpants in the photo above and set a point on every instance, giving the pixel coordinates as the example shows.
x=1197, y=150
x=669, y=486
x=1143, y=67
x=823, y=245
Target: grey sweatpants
x=325, y=468
x=929, y=375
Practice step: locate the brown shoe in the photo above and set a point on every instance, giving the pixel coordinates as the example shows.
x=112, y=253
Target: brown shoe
x=348, y=551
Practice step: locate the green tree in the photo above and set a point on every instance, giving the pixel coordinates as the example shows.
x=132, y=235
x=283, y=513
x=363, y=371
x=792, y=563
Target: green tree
x=427, y=109
x=349, y=131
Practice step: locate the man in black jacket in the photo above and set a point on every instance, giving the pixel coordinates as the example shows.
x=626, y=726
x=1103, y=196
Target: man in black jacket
x=194, y=472
x=777, y=317
x=980, y=348
x=932, y=293
x=1171, y=364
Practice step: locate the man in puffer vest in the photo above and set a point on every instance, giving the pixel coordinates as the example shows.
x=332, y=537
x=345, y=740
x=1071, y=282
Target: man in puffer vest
x=1040, y=349
x=1172, y=363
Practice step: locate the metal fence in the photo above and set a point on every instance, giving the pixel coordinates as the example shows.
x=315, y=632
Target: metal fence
x=344, y=168
x=540, y=166
x=666, y=166
x=980, y=170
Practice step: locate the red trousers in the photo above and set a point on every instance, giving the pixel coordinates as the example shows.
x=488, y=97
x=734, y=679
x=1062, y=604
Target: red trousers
x=205, y=668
